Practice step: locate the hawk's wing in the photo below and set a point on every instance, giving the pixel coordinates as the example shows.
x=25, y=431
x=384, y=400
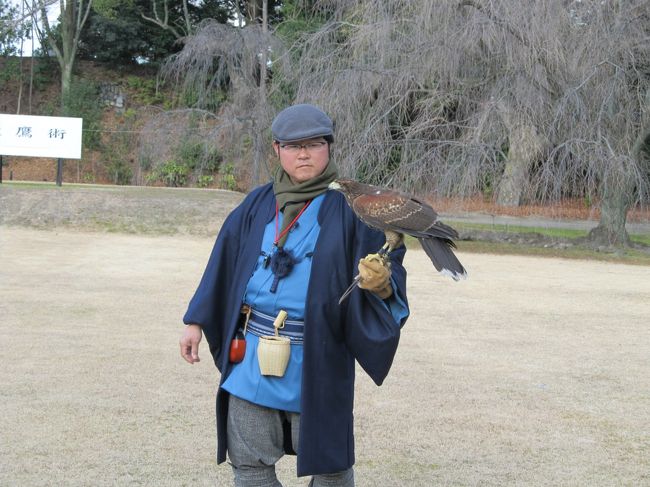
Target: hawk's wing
x=390, y=210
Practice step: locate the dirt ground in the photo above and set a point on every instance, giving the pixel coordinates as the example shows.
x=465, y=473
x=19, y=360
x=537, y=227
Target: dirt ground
x=534, y=371
x=123, y=209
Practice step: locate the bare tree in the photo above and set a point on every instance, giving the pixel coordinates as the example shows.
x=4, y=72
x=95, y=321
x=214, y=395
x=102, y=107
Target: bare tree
x=160, y=16
x=603, y=111
x=476, y=96
x=74, y=14
x=455, y=97
x=237, y=59
x=258, y=138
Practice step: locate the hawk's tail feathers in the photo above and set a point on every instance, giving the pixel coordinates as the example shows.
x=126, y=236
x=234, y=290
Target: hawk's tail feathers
x=439, y=229
x=441, y=254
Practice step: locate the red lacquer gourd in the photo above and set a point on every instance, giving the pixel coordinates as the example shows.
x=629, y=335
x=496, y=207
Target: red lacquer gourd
x=237, y=348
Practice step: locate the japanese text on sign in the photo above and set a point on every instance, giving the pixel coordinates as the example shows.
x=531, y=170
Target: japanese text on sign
x=27, y=135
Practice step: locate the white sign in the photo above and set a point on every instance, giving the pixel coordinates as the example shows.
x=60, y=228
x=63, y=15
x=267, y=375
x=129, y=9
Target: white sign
x=27, y=135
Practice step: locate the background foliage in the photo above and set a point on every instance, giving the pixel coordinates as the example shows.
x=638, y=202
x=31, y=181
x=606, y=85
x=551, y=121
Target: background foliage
x=454, y=98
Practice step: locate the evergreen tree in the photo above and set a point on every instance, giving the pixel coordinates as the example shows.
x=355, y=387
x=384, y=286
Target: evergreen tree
x=118, y=32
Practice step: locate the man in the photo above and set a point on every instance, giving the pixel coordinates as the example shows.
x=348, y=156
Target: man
x=293, y=245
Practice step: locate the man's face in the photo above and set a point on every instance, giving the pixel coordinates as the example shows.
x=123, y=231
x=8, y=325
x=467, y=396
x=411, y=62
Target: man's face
x=303, y=159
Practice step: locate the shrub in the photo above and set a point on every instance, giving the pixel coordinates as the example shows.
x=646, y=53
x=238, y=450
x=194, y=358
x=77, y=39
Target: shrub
x=171, y=173
x=228, y=180
x=204, y=181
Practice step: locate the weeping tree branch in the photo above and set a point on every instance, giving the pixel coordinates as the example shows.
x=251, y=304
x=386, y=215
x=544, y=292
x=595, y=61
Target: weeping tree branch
x=437, y=98
x=237, y=60
x=487, y=11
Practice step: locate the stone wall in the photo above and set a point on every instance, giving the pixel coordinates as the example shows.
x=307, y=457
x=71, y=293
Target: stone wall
x=111, y=94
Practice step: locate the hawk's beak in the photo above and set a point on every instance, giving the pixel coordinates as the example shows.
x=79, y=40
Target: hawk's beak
x=334, y=185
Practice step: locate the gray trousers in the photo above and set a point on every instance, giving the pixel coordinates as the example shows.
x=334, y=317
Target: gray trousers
x=255, y=444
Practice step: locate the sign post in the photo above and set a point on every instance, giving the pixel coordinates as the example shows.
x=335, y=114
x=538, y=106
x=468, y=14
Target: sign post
x=0, y=168
x=59, y=171
x=33, y=136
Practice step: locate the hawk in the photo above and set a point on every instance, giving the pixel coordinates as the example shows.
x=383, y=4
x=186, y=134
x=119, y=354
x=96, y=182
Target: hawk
x=396, y=213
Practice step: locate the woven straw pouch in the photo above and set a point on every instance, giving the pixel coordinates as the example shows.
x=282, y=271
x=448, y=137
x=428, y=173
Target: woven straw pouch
x=273, y=351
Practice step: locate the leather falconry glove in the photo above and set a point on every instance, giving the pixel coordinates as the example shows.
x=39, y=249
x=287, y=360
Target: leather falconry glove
x=374, y=275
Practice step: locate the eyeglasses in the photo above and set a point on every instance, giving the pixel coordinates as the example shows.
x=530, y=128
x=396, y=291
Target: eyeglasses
x=310, y=147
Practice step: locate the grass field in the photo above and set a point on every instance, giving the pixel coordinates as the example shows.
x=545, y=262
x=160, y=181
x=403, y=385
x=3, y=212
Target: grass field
x=534, y=371
x=567, y=233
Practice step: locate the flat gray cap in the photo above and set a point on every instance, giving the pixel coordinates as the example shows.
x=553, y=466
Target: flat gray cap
x=300, y=122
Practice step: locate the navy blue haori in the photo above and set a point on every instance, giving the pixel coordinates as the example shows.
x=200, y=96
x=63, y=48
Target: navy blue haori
x=362, y=328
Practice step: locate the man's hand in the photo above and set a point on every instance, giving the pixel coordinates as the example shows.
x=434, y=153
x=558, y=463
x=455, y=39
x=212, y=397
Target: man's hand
x=374, y=275
x=189, y=342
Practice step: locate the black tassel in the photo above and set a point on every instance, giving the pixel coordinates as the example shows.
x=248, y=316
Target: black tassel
x=282, y=263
